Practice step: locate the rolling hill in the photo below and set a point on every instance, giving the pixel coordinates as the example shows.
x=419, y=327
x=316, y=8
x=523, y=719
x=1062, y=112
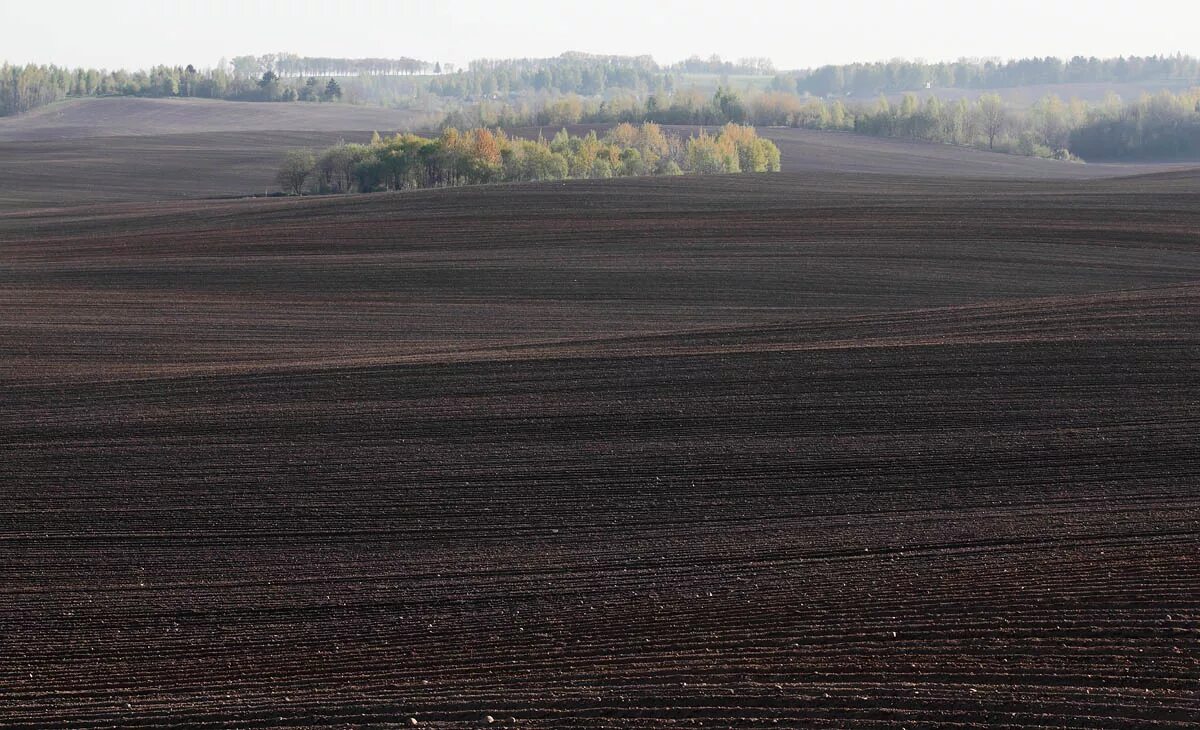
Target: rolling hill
x=128, y=149
x=793, y=450
x=122, y=116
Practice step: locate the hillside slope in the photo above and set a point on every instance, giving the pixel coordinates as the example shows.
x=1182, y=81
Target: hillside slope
x=149, y=168
x=807, y=150
x=177, y=166
x=133, y=116
x=817, y=151
x=129, y=149
x=748, y=451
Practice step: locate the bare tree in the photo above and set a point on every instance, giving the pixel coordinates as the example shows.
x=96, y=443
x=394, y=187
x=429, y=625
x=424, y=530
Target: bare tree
x=297, y=167
x=993, y=117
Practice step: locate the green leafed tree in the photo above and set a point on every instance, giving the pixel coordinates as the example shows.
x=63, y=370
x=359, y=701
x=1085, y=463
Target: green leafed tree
x=269, y=86
x=333, y=91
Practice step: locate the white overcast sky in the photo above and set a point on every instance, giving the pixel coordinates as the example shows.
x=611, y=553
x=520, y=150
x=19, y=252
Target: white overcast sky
x=795, y=34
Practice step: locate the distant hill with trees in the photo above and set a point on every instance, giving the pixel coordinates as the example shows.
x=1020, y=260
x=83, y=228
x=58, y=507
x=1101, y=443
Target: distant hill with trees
x=272, y=77
x=536, y=82
x=579, y=87
x=1159, y=126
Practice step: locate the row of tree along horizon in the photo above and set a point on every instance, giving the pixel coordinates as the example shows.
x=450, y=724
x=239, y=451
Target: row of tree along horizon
x=23, y=88
x=26, y=87
x=480, y=156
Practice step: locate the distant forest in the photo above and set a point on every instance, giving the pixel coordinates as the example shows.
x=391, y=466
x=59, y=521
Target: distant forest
x=570, y=73
x=272, y=77
x=578, y=87
x=395, y=81
x=891, y=76
x=1160, y=126
x=387, y=81
x=585, y=74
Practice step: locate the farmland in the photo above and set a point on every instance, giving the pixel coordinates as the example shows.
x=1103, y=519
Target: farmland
x=128, y=150
x=904, y=446
x=133, y=116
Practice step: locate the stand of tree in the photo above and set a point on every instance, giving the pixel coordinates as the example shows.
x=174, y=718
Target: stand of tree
x=1163, y=127
x=479, y=156
x=900, y=75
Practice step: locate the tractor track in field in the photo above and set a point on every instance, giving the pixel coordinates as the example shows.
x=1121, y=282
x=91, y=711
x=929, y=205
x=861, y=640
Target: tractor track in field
x=753, y=451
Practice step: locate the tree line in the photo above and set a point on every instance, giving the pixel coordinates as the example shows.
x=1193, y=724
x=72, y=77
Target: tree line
x=1162, y=125
x=24, y=88
x=291, y=64
x=592, y=75
x=901, y=75
x=579, y=88
x=539, y=82
x=570, y=73
x=273, y=77
x=582, y=88
x=687, y=107
x=480, y=155
x=715, y=65
x=583, y=74
x=1159, y=126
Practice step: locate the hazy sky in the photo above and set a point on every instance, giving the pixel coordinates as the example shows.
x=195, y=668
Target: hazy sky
x=124, y=33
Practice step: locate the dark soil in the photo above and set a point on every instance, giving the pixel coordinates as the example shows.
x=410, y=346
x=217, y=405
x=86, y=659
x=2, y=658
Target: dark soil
x=133, y=116
x=129, y=150
x=750, y=451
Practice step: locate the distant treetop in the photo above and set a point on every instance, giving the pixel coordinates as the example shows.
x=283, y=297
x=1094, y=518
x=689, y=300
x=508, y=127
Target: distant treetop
x=901, y=75
x=290, y=64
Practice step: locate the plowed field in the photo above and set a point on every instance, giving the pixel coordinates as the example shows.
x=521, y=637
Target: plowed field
x=124, y=149
x=752, y=451
x=121, y=116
